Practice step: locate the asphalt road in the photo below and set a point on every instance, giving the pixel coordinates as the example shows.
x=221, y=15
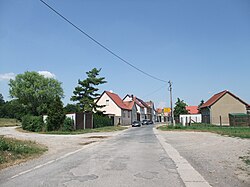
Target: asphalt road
x=133, y=158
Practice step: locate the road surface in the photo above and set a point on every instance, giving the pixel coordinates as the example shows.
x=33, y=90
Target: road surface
x=135, y=157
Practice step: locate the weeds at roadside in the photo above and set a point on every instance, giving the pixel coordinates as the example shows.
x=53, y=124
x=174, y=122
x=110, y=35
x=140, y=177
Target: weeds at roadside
x=14, y=151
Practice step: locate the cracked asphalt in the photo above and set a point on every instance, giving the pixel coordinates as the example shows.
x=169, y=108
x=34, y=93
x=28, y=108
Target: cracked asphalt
x=133, y=157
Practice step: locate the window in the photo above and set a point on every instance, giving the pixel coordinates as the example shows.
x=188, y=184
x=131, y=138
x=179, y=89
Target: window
x=128, y=114
x=123, y=113
x=107, y=102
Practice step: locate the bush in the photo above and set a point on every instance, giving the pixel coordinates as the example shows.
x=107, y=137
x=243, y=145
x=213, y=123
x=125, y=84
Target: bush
x=101, y=121
x=68, y=124
x=32, y=123
x=56, y=115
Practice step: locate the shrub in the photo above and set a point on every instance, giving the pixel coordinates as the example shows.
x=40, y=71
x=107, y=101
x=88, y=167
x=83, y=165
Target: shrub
x=101, y=121
x=32, y=123
x=68, y=124
x=56, y=115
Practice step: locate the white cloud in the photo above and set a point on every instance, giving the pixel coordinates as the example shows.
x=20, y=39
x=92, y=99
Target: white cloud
x=47, y=74
x=7, y=76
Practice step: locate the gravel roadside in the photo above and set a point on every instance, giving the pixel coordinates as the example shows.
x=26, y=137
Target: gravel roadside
x=215, y=157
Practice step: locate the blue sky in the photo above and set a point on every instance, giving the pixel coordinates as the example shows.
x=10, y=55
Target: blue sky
x=202, y=46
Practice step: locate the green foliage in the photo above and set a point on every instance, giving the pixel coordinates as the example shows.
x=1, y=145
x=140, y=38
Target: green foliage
x=101, y=121
x=180, y=108
x=56, y=115
x=86, y=93
x=68, y=124
x=13, y=109
x=13, y=149
x=35, y=91
x=1, y=100
x=71, y=108
x=32, y=123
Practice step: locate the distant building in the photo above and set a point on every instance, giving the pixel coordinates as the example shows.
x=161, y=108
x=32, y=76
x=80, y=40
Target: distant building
x=192, y=109
x=216, y=110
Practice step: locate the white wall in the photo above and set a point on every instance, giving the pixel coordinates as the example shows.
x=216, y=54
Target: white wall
x=187, y=118
x=112, y=108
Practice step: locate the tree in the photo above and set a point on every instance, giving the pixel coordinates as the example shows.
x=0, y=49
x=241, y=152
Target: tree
x=35, y=91
x=71, y=108
x=180, y=108
x=13, y=109
x=86, y=92
x=2, y=102
x=201, y=103
x=56, y=115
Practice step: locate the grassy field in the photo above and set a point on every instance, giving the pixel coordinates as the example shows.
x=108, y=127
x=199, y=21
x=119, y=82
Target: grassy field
x=5, y=122
x=13, y=151
x=242, y=132
x=83, y=131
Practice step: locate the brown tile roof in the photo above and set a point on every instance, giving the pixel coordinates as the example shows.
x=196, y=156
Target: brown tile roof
x=118, y=101
x=217, y=96
x=192, y=109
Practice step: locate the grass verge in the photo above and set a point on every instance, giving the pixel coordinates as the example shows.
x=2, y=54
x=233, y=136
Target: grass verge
x=83, y=131
x=13, y=151
x=242, y=132
x=6, y=122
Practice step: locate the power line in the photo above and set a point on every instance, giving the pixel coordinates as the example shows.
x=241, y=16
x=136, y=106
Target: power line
x=155, y=91
x=101, y=45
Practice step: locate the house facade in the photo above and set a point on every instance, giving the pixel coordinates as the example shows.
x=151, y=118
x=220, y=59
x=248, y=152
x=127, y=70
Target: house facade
x=217, y=109
x=116, y=109
x=141, y=110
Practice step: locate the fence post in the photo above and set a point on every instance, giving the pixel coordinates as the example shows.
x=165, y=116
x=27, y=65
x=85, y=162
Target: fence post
x=220, y=121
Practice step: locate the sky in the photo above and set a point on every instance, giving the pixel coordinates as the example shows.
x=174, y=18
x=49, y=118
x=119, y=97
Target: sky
x=202, y=46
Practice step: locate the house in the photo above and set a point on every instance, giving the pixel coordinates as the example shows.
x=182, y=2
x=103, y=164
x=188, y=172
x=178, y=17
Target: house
x=151, y=112
x=140, y=108
x=216, y=110
x=113, y=106
x=192, y=109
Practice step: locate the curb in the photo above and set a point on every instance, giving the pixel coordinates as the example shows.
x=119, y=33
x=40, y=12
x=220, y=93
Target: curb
x=188, y=174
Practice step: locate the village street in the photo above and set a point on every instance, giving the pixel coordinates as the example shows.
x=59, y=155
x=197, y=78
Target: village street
x=135, y=157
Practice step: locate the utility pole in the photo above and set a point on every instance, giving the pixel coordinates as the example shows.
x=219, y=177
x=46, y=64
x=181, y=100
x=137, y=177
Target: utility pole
x=171, y=102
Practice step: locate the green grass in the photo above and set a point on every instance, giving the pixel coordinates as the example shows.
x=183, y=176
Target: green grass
x=6, y=122
x=242, y=132
x=14, y=151
x=83, y=131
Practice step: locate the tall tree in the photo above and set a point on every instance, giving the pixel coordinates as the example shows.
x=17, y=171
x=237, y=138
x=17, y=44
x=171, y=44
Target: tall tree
x=86, y=91
x=180, y=108
x=35, y=91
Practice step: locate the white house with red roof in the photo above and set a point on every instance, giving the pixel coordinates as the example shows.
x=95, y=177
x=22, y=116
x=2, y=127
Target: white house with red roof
x=116, y=108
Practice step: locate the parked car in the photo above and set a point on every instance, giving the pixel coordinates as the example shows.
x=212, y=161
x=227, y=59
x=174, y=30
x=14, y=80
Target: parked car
x=150, y=122
x=145, y=122
x=136, y=124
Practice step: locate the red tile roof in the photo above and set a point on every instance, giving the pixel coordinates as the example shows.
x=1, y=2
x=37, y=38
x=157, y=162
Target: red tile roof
x=159, y=110
x=118, y=101
x=192, y=109
x=217, y=96
x=129, y=104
